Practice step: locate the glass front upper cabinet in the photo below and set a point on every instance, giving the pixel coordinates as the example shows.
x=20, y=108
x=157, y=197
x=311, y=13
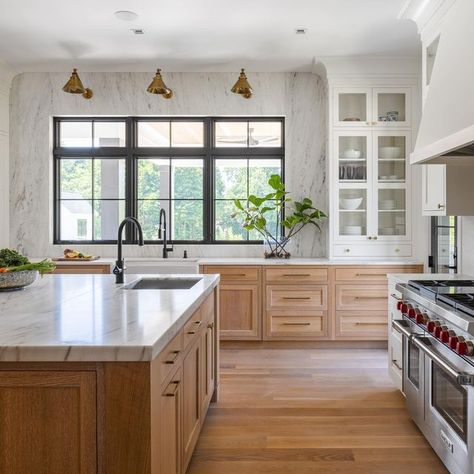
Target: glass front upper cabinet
x=392, y=212
x=352, y=213
x=381, y=107
x=353, y=152
x=391, y=156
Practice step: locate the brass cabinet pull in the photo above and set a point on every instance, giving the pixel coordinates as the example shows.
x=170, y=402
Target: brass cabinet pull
x=175, y=391
x=297, y=274
x=197, y=327
x=296, y=324
x=366, y=323
x=296, y=297
x=440, y=206
x=370, y=297
x=234, y=274
x=210, y=326
x=395, y=363
x=174, y=359
x=370, y=274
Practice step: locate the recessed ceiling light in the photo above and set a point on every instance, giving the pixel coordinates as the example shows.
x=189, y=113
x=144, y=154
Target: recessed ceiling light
x=137, y=31
x=126, y=15
x=301, y=31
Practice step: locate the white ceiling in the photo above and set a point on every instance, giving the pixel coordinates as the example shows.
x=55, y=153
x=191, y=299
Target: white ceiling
x=199, y=35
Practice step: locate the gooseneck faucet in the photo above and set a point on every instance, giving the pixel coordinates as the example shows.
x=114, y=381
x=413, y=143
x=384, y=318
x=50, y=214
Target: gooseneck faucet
x=120, y=263
x=162, y=233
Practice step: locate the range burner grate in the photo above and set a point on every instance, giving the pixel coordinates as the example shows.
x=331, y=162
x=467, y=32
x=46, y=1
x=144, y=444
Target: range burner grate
x=462, y=301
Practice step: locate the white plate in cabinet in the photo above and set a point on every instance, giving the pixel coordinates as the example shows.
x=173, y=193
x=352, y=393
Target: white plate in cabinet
x=296, y=325
x=362, y=298
x=303, y=297
x=362, y=324
x=372, y=250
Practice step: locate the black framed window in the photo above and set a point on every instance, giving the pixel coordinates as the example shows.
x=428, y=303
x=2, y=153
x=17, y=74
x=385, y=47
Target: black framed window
x=443, y=258
x=193, y=167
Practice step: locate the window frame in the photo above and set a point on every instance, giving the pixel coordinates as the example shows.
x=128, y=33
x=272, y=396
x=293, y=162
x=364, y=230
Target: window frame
x=132, y=153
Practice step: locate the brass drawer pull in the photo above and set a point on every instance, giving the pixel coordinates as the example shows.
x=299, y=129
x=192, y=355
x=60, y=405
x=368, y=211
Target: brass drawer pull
x=297, y=274
x=233, y=274
x=365, y=323
x=197, y=327
x=174, y=359
x=296, y=324
x=175, y=391
x=210, y=326
x=296, y=297
x=371, y=274
x=368, y=297
x=395, y=363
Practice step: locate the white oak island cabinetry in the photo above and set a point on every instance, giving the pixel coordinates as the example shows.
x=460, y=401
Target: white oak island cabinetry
x=98, y=379
x=302, y=301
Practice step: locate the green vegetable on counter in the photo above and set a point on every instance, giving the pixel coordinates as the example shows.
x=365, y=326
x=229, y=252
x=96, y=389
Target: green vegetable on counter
x=45, y=266
x=11, y=258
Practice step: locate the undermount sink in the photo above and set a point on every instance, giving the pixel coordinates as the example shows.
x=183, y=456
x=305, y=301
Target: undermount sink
x=162, y=284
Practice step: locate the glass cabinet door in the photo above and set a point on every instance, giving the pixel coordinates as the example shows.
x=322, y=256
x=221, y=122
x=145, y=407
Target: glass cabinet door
x=391, y=156
x=392, y=213
x=392, y=106
x=352, y=214
x=352, y=153
x=353, y=107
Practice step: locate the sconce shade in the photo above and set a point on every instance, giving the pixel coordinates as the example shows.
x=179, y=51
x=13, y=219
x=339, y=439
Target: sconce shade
x=242, y=86
x=157, y=86
x=74, y=86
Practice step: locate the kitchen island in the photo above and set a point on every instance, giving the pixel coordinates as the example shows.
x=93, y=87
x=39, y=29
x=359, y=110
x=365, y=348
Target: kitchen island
x=96, y=378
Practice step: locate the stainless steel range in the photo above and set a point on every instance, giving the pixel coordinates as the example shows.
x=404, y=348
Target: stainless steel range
x=437, y=324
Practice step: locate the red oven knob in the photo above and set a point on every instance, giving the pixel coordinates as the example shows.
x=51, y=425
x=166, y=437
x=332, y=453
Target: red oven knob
x=421, y=318
x=446, y=334
x=404, y=308
x=438, y=330
x=400, y=304
x=432, y=325
x=465, y=348
x=453, y=341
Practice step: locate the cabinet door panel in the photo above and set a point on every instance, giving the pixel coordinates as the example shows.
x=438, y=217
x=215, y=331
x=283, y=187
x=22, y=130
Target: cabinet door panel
x=48, y=419
x=170, y=425
x=207, y=365
x=191, y=401
x=434, y=190
x=240, y=312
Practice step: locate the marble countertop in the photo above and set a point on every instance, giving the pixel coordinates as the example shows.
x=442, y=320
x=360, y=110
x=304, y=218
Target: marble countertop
x=91, y=318
x=248, y=261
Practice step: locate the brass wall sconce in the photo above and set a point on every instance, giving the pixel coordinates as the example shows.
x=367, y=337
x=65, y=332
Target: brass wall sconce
x=157, y=86
x=74, y=86
x=242, y=86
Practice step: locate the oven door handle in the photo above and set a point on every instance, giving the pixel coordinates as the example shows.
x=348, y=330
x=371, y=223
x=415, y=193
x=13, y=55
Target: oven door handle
x=460, y=377
x=402, y=327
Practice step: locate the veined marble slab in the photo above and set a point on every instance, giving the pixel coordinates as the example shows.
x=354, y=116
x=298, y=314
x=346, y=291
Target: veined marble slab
x=303, y=261
x=91, y=318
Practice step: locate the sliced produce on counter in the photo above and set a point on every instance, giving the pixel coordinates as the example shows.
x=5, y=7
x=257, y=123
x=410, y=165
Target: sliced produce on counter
x=74, y=254
x=12, y=261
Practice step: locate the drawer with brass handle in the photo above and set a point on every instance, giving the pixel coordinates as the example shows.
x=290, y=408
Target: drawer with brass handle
x=174, y=389
x=361, y=297
x=308, y=297
x=290, y=324
x=285, y=275
x=376, y=274
x=170, y=357
x=368, y=325
x=234, y=273
x=191, y=328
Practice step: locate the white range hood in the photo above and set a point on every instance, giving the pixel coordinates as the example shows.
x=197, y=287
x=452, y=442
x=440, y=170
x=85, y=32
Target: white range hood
x=446, y=133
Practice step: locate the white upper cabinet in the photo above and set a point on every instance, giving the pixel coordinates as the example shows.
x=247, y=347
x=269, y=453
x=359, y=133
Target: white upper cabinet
x=372, y=107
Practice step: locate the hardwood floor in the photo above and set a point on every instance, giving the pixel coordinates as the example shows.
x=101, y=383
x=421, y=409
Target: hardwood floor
x=304, y=411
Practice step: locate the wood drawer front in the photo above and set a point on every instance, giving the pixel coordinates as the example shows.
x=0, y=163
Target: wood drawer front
x=372, y=250
x=362, y=324
x=297, y=325
x=374, y=274
x=192, y=327
x=296, y=275
x=170, y=357
x=362, y=297
x=236, y=273
x=304, y=297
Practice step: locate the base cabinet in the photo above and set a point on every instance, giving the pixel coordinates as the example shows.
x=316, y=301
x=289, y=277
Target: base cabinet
x=111, y=417
x=346, y=302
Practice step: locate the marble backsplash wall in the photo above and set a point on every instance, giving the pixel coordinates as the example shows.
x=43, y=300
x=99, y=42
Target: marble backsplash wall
x=37, y=97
